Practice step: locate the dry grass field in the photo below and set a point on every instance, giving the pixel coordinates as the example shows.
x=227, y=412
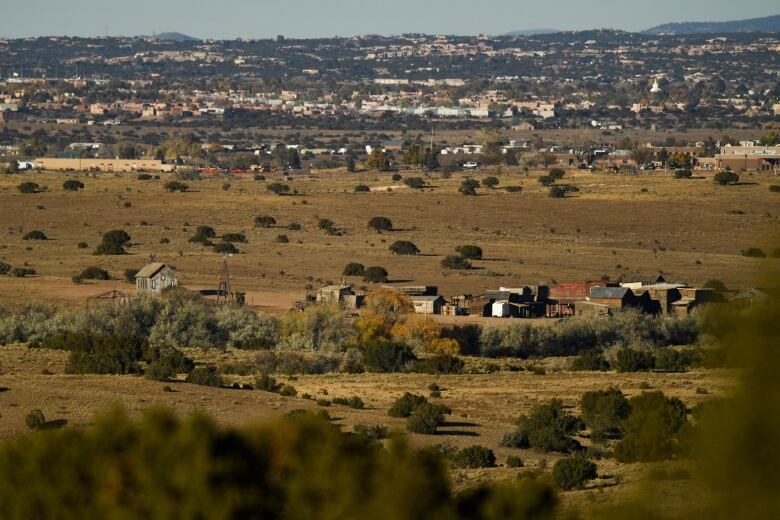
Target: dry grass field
x=691, y=230
x=484, y=406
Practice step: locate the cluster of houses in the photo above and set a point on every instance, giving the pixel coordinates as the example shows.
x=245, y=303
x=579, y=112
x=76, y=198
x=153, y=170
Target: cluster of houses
x=653, y=296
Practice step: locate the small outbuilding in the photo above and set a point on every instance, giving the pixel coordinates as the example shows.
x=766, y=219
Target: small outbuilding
x=155, y=277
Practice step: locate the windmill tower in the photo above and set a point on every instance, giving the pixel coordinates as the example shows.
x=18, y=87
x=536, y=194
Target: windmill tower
x=224, y=294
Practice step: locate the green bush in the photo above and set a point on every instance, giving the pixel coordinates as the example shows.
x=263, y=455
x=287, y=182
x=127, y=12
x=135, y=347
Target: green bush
x=22, y=272
x=557, y=173
x=267, y=383
x=490, y=182
x=380, y=224
x=282, y=239
x=234, y=237
x=166, y=363
x=4, y=268
x=726, y=178
x=471, y=252
x=546, y=180
x=205, y=376
x=35, y=420
x=590, y=361
x=474, y=457
x=375, y=432
x=375, y=274
x=396, y=177
x=130, y=275
x=753, y=252
x=94, y=273
x=604, y=412
x=404, y=247
x=516, y=439
x=28, y=187
x=362, y=188
x=469, y=187
x=113, y=243
x=652, y=428
x=416, y=183
x=455, y=262
x=573, y=472
x=548, y=427
x=225, y=248
x=172, y=186
x=72, y=185
x=774, y=188
x=203, y=235
x=35, y=234
x=144, y=177
x=557, y=192
x=278, y=188
x=425, y=419
x=632, y=360
x=670, y=360
x=443, y=364
x=96, y=354
x=405, y=405
x=513, y=461
x=288, y=391
x=683, y=174
x=353, y=269
x=386, y=356
x=265, y=221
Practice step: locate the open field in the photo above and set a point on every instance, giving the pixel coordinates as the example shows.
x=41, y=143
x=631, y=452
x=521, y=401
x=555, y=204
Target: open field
x=484, y=405
x=616, y=226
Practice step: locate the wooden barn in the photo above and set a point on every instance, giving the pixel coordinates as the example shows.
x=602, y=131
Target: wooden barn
x=155, y=277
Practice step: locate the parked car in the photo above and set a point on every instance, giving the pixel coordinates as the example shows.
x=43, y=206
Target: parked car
x=471, y=165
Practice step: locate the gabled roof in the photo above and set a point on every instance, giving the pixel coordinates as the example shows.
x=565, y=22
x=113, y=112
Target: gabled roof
x=150, y=270
x=609, y=292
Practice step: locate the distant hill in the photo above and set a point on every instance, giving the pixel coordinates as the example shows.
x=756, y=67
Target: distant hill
x=531, y=32
x=769, y=24
x=174, y=37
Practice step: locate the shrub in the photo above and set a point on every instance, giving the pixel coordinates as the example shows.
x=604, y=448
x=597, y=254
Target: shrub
x=353, y=269
x=267, y=383
x=516, y=439
x=670, y=360
x=278, y=188
x=455, y=262
x=96, y=354
x=726, y=178
x=573, y=472
x=72, y=185
x=469, y=187
x=386, y=356
x=513, y=461
x=28, y=187
x=651, y=428
x=557, y=173
x=375, y=274
x=35, y=420
x=490, y=182
x=234, y=237
x=172, y=186
x=282, y=239
x=374, y=432
x=225, y=248
x=405, y=405
x=22, y=272
x=546, y=180
x=604, y=411
x=549, y=427
x=82, y=245
x=203, y=234
x=353, y=402
x=514, y=189
x=632, y=360
x=93, y=273
x=35, y=234
x=288, y=391
x=362, y=188
x=404, y=247
x=445, y=364
x=144, y=177
x=774, y=188
x=425, y=419
x=380, y=224
x=259, y=177
x=557, y=192
x=396, y=177
x=416, y=183
x=753, y=252
x=167, y=363
x=683, y=174
x=265, y=221
x=474, y=457
x=591, y=361
x=113, y=243
x=470, y=251
x=4, y=268
x=205, y=376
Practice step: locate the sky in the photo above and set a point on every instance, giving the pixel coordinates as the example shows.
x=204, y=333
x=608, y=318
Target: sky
x=229, y=19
